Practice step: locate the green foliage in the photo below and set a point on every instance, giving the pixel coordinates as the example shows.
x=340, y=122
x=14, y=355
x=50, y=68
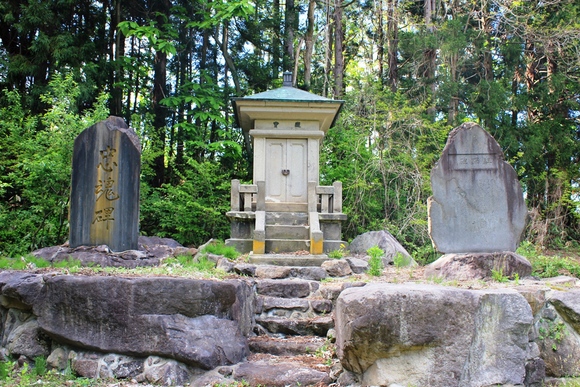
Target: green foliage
x=35, y=182
x=187, y=263
x=376, y=261
x=13, y=376
x=497, y=275
x=400, y=260
x=553, y=330
x=217, y=247
x=40, y=365
x=337, y=254
x=193, y=210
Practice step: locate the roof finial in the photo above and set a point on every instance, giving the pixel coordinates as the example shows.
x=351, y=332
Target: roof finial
x=287, y=79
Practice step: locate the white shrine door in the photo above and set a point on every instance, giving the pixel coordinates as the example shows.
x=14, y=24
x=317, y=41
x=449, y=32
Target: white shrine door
x=286, y=170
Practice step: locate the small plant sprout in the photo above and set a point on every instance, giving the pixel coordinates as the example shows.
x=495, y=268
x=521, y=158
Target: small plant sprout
x=337, y=254
x=375, y=261
x=497, y=275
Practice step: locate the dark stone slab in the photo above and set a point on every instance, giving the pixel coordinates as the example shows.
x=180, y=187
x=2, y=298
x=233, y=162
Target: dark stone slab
x=104, y=205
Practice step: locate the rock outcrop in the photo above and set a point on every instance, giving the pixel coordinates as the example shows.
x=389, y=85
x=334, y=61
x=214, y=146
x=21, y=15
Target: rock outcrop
x=278, y=331
x=386, y=242
x=416, y=335
x=198, y=322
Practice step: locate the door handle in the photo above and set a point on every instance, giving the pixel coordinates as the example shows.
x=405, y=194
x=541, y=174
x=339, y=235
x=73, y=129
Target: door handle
x=285, y=172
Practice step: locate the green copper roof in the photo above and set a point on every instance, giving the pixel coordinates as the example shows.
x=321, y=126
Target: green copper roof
x=286, y=93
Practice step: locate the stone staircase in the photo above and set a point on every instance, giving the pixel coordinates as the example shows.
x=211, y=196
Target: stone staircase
x=287, y=232
x=293, y=341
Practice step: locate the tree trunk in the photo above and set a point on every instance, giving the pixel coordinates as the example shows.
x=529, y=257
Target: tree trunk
x=392, y=31
x=380, y=40
x=309, y=44
x=116, y=107
x=159, y=92
x=338, y=50
x=328, y=49
x=289, y=32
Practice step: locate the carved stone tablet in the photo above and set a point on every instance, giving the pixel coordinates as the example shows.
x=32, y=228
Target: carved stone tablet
x=104, y=205
x=477, y=203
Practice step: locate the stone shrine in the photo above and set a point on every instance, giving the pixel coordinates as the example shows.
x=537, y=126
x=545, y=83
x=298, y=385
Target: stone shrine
x=285, y=209
x=104, y=205
x=477, y=203
x=477, y=213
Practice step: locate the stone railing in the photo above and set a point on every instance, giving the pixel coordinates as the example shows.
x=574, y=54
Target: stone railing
x=328, y=199
x=247, y=197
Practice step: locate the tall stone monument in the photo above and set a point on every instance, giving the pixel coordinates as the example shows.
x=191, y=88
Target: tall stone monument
x=104, y=205
x=477, y=209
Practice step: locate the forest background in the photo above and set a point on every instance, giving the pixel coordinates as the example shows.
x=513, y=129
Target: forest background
x=408, y=70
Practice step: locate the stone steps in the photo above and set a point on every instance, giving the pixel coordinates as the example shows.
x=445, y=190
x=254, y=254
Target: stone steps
x=287, y=346
x=277, y=231
x=287, y=218
x=287, y=245
x=292, y=307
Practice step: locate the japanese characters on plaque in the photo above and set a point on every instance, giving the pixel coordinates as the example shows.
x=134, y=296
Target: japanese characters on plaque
x=473, y=161
x=106, y=189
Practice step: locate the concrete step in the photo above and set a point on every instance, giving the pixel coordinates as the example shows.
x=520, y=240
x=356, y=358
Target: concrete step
x=277, y=231
x=287, y=218
x=287, y=245
x=287, y=346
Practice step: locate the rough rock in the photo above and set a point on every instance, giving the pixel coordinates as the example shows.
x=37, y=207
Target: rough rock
x=267, y=303
x=105, y=366
x=288, y=288
x=58, y=359
x=479, y=266
x=285, y=346
x=245, y=269
x=152, y=251
x=385, y=241
x=225, y=265
x=415, y=334
x=165, y=372
x=316, y=326
x=357, y=265
x=557, y=333
x=279, y=374
x=568, y=306
x=337, y=267
x=28, y=340
x=193, y=321
x=477, y=203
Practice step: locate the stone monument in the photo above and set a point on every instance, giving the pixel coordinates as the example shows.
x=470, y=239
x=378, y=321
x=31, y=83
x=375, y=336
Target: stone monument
x=477, y=211
x=104, y=205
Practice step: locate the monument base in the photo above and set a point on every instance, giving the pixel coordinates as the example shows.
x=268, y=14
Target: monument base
x=470, y=266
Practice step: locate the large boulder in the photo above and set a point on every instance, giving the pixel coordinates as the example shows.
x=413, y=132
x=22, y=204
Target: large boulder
x=197, y=322
x=385, y=241
x=479, y=266
x=151, y=252
x=429, y=335
x=557, y=329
